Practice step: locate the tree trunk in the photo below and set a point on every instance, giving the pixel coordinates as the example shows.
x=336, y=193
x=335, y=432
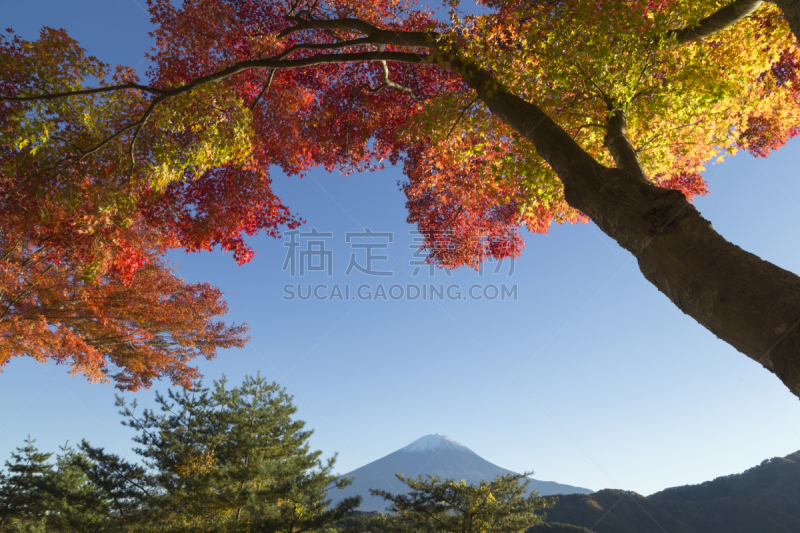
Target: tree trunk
x=717, y=21
x=747, y=302
x=791, y=10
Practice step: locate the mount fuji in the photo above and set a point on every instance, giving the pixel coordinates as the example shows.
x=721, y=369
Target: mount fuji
x=437, y=455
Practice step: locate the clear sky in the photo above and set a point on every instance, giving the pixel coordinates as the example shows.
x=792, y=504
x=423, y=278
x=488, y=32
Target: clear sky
x=590, y=377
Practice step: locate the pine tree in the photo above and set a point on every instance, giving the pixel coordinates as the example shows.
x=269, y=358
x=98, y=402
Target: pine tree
x=21, y=502
x=213, y=460
x=433, y=505
x=74, y=503
x=37, y=495
x=221, y=460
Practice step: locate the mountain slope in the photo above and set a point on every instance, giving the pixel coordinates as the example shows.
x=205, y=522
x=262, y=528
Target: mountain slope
x=436, y=455
x=764, y=498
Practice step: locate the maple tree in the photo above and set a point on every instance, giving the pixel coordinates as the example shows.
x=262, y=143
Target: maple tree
x=127, y=329
x=81, y=282
x=533, y=112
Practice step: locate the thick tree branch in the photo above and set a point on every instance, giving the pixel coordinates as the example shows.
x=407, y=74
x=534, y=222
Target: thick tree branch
x=617, y=143
x=242, y=66
x=324, y=46
x=413, y=39
x=83, y=92
x=749, y=303
x=552, y=143
x=375, y=36
x=791, y=10
x=273, y=63
x=725, y=17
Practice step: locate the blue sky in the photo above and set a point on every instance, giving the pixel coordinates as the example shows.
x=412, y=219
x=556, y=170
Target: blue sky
x=590, y=377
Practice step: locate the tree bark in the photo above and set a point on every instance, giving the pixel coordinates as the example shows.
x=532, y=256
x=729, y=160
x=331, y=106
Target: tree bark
x=717, y=21
x=791, y=10
x=747, y=302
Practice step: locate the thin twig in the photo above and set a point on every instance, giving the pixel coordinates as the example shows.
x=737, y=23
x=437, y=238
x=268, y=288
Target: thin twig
x=264, y=90
x=464, y=112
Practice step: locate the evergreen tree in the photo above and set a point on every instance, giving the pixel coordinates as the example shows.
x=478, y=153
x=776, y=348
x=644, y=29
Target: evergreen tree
x=213, y=460
x=21, y=501
x=37, y=495
x=74, y=503
x=222, y=459
x=127, y=487
x=433, y=505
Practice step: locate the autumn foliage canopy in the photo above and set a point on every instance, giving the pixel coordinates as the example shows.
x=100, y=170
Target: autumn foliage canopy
x=101, y=173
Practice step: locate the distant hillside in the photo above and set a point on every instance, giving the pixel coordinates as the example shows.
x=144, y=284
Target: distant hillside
x=551, y=527
x=437, y=455
x=765, y=498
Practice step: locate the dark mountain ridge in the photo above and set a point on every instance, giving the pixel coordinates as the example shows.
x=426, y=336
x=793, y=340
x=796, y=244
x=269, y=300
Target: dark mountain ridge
x=765, y=498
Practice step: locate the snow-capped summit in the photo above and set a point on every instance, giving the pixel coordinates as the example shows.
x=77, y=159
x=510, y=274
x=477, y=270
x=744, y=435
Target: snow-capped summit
x=434, y=443
x=437, y=455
